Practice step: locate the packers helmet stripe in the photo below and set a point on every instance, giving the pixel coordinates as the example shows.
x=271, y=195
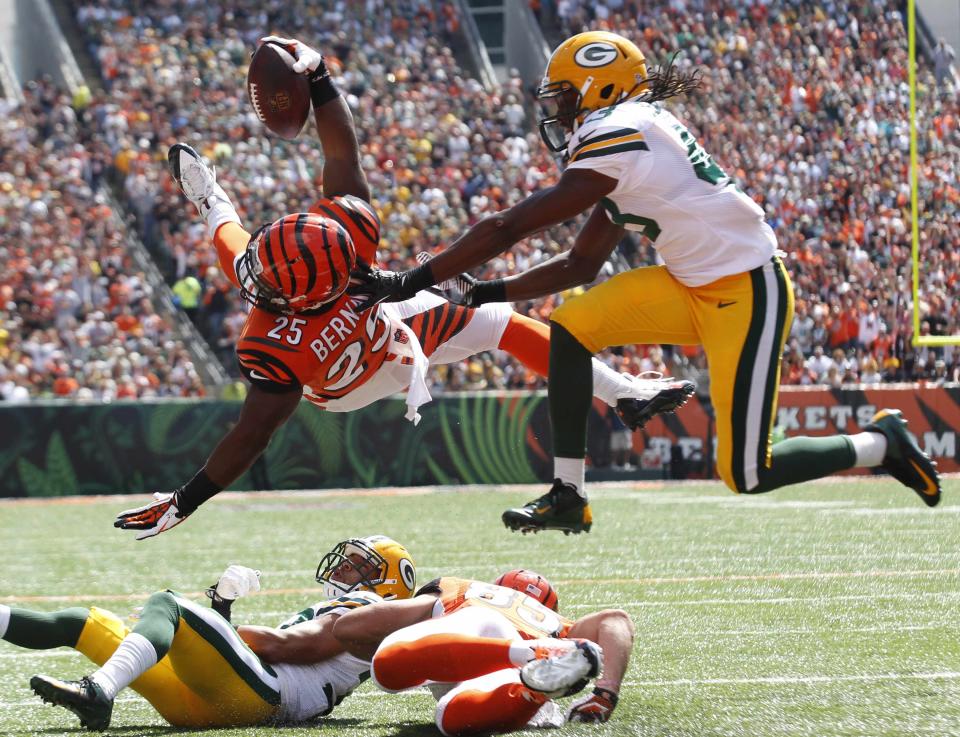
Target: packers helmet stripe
x=620, y=132
x=308, y=260
x=602, y=148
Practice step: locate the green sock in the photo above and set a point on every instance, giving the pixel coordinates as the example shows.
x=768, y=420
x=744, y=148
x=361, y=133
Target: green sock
x=159, y=621
x=802, y=459
x=570, y=393
x=45, y=630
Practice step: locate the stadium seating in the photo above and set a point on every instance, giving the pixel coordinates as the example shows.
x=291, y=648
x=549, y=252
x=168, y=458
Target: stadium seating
x=807, y=102
x=825, y=157
x=76, y=318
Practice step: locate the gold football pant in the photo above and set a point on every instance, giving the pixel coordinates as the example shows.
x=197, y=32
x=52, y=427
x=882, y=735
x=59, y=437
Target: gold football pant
x=742, y=322
x=209, y=677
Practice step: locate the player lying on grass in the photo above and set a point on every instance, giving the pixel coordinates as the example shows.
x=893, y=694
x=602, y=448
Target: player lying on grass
x=304, y=336
x=196, y=670
x=722, y=284
x=493, y=655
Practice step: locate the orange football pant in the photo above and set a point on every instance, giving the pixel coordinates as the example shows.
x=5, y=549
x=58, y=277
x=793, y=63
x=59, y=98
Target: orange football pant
x=506, y=708
x=446, y=658
x=528, y=341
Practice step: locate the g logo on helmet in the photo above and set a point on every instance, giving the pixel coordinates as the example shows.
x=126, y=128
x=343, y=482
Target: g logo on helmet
x=408, y=573
x=596, y=54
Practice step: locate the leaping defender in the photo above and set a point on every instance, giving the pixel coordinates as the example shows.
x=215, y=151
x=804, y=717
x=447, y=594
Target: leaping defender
x=722, y=284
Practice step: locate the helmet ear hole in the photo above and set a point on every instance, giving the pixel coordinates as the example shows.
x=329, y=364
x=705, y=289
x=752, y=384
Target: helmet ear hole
x=606, y=91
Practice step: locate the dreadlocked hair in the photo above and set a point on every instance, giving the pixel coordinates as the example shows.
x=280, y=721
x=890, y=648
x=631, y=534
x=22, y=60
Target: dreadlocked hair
x=666, y=81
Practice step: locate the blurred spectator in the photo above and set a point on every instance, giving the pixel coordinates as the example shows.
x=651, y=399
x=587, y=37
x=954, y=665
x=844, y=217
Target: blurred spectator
x=76, y=316
x=943, y=58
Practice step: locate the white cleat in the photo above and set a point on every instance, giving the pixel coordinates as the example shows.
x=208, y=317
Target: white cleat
x=196, y=180
x=561, y=667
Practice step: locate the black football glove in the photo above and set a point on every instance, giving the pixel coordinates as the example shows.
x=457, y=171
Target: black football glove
x=465, y=290
x=373, y=286
x=469, y=292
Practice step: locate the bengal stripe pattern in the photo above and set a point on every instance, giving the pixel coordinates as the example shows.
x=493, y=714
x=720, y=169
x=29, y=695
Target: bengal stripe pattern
x=438, y=325
x=265, y=370
x=358, y=218
x=308, y=259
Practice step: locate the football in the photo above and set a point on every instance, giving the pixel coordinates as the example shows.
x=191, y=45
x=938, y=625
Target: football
x=280, y=97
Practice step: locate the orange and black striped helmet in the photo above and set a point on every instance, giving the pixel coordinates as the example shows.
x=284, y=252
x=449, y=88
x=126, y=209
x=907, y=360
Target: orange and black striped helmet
x=532, y=584
x=296, y=264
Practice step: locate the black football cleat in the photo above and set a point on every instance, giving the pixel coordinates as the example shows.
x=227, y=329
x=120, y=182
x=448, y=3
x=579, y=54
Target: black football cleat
x=84, y=698
x=561, y=508
x=653, y=396
x=904, y=460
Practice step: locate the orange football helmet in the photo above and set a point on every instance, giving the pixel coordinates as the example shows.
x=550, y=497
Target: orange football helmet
x=296, y=264
x=531, y=584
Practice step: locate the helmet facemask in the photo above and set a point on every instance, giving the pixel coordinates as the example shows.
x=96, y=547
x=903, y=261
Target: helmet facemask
x=306, y=274
x=350, y=566
x=560, y=104
x=253, y=287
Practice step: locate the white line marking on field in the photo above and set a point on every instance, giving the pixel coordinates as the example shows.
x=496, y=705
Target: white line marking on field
x=671, y=634
x=897, y=511
x=778, y=680
x=807, y=575
x=779, y=600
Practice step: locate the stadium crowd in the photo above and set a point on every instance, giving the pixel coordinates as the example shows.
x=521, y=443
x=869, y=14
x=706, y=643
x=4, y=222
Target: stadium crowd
x=803, y=103
x=806, y=105
x=76, y=316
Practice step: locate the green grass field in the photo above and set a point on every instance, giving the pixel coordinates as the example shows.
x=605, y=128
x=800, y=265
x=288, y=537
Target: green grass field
x=830, y=609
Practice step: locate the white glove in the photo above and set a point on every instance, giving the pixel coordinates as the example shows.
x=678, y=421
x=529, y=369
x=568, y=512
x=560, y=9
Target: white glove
x=151, y=519
x=308, y=60
x=237, y=581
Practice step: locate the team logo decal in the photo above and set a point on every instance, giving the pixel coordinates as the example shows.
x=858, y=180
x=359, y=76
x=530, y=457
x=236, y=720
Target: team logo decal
x=407, y=573
x=596, y=54
x=280, y=101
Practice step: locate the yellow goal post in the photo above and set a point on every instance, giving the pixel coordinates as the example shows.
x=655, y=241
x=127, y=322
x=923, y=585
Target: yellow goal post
x=918, y=340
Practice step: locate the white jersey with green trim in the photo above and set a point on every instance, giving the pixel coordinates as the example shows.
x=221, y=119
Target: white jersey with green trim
x=308, y=691
x=672, y=191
